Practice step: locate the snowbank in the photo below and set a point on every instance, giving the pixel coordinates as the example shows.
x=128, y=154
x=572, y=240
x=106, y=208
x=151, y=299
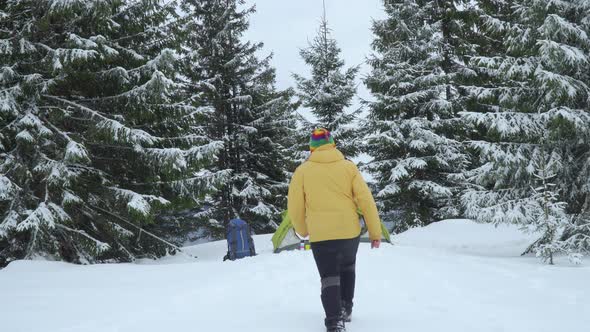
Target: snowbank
x=467, y=237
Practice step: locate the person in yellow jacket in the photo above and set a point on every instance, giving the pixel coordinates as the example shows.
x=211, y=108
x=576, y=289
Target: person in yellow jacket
x=325, y=194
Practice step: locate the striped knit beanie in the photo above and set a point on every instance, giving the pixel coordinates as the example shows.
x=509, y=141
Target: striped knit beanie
x=320, y=137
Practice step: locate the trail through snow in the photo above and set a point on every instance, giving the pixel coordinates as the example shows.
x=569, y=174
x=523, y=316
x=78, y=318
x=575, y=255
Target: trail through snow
x=451, y=276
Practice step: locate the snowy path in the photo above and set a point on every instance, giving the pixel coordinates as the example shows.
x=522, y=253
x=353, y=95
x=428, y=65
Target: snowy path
x=453, y=276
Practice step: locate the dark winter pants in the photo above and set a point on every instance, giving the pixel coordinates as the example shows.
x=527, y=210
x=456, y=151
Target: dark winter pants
x=336, y=260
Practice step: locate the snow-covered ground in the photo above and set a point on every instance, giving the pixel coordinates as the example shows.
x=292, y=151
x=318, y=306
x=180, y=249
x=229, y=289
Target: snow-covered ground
x=452, y=276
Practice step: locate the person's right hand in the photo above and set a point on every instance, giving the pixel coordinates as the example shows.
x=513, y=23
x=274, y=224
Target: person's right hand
x=375, y=244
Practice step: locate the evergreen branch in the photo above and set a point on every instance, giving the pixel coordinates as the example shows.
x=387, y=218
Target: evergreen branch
x=128, y=134
x=81, y=107
x=98, y=243
x=112, y=159
x=507, y=202
x=57, y=130
x=187, y=137
x=10, y=124
x=517, y=144
x=532, y=246
x=172, y=182
x=129, y=254
x=8, y=89
x=138, y=3
x=148, y=31
x=101, y=210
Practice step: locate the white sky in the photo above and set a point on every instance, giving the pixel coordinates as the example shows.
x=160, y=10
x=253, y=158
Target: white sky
x=285, y=26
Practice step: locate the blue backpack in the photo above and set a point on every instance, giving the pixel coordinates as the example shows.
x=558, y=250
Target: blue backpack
x=239, y=240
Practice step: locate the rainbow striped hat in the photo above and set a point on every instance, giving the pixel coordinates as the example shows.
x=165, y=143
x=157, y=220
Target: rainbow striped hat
x=319, y=137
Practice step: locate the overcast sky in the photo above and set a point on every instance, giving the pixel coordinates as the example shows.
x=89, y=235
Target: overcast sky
x=285, y=26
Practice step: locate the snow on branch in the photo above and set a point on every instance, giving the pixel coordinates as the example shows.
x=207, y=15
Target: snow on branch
x=252, y=190
x=559, y=53
x=9, y=223
x=509, y=153
x=81, y=42
x=7, y=74
x=199, y=183
x=241, y=100
x=76, y=153
x=178, y=159
x=115, y=129
x=31, y=121
x=70, y=198
x=132, y=53
x=401, y=170
x=8, y=104
x=578, y=117
x=494, y=24
x=201, y=152
x=24, y=136
x=57, y=172
x=101, y=43
x=264, y=210
x=249, y=130
x=430, y=189
x=391, y=137
x=46, y=214
x=558, y=85
x=557, y=28
x=173, y=158
x=579, y=239
x=139, y=204
x=120, y=133
x=66, y=55
x=390, y=189
x=507, y=124
x=164, y=61
x=63, y=5
x=99, y=246
x=158, y=86
x=7, y=188
x=497, y=207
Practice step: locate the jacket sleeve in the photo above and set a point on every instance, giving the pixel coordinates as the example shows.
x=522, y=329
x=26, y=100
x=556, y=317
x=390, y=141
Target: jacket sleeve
x=366, y=203
x=296, y=204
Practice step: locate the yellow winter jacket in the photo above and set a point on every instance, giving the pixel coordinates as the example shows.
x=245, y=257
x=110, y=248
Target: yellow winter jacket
x=324, y=195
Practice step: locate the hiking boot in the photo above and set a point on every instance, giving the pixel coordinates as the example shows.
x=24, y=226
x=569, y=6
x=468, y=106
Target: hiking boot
x=335, y=325
x=347, y=312
x=346, y=315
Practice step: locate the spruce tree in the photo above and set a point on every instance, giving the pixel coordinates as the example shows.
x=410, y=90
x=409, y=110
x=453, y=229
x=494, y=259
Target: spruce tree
x=412, y=123
x=529, y=107
x=547, y=213
x=330, y=90
x=248, y=115
x=577, y=235
x=96, y=136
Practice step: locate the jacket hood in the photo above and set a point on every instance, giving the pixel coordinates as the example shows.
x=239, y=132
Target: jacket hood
x=326, y=154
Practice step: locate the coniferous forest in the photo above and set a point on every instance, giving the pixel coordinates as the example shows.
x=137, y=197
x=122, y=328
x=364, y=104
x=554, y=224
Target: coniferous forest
x=129, y=127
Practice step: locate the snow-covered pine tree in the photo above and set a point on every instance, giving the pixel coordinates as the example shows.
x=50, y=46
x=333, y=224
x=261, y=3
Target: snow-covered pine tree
x=248, y=114
x=330, y=90
x=547, y=212
x=96, y=136
x=532, y=99
x=298, y=140
x=412, y=122
x=577, y=235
